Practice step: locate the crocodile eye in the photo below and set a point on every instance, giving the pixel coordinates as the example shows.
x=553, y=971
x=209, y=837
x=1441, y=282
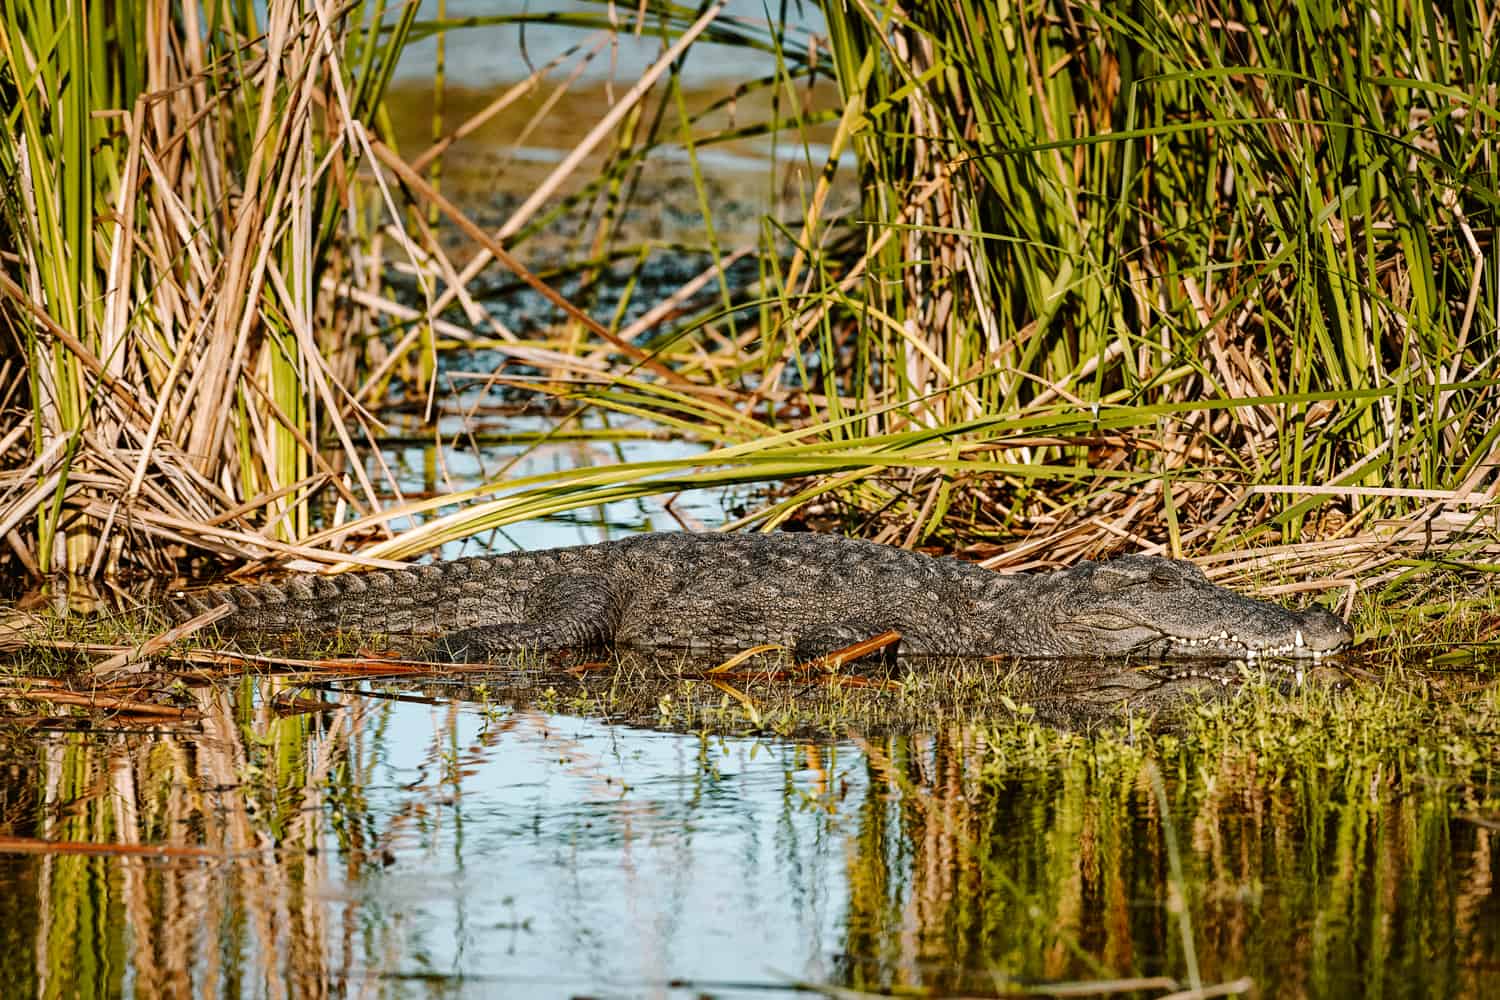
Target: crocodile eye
x=1106, y=578
x=1164, y=579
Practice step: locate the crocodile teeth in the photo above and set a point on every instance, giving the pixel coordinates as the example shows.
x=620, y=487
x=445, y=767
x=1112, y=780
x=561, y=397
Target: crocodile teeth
x=1299, y=640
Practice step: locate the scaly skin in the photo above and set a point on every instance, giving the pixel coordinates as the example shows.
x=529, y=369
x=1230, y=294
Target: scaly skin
x=812, y=593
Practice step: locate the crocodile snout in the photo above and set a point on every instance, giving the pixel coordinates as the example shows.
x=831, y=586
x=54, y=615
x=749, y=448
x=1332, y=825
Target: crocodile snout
x=1325, y=632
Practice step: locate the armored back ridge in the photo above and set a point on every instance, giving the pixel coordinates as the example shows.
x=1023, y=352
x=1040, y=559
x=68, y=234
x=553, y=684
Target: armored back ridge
x=811, y=593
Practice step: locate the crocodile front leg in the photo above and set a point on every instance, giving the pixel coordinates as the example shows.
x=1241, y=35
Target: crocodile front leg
x=726, y=627
x=562, y=612
x=820, y=640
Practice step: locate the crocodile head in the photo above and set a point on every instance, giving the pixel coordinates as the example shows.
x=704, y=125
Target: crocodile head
x=1166, y=607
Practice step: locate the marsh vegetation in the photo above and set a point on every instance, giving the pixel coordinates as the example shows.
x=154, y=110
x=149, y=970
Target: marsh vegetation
x=1031, y=283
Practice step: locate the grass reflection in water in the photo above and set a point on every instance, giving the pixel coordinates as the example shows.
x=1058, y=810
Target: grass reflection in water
x=964, y=829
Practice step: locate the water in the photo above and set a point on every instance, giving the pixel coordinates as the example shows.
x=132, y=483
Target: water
x=493, y=54
x=419, y=468
x=655, y=833
x=647, y=830
x=479, y=837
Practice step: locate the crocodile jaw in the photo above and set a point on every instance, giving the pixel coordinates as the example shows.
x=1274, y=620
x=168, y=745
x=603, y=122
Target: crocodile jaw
x=1309, y=636
x=1226, y=646
x=1223, y=645
x=1304, y=635
x=1274, y=633
x=1163, y=607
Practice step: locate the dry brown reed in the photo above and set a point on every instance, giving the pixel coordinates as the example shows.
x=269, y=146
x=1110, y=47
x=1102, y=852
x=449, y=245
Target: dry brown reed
x=176, y=412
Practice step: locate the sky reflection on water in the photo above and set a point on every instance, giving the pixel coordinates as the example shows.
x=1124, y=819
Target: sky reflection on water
x=496, y=843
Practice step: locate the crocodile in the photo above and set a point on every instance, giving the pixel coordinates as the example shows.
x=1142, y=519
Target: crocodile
x=811, y=593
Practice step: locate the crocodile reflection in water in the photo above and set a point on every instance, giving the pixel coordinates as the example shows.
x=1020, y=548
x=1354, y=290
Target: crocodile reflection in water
x=685, y=693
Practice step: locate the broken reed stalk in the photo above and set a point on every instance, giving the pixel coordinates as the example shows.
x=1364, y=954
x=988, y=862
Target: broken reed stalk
x=37, y=845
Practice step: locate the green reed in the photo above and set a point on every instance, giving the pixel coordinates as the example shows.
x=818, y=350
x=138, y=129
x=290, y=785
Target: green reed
x=178, y=190
x=1143, y=266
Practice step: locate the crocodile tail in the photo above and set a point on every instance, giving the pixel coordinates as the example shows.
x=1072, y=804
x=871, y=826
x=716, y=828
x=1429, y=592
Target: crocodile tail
x=418, y=599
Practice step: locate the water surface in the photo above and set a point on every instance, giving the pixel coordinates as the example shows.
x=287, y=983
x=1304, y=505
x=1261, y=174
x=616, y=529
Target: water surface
x=650, y=830
x=565, y=837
